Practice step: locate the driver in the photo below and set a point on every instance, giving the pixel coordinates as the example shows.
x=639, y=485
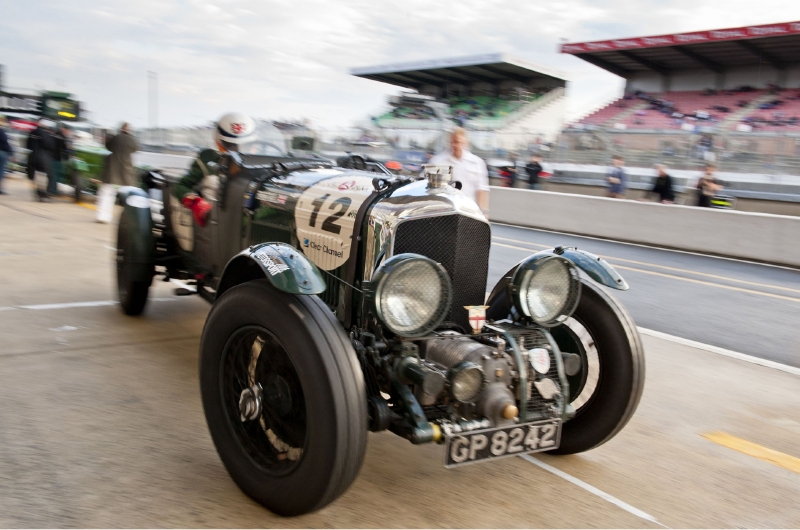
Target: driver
x=199, y=186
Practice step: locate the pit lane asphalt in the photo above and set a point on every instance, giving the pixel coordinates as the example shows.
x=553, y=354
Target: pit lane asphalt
x=101, y=423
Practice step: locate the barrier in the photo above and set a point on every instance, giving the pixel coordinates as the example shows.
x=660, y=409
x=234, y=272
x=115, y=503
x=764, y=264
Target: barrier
x=753, y=236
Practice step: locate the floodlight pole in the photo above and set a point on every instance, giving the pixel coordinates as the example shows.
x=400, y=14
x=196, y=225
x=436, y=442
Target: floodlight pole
x=152, y=98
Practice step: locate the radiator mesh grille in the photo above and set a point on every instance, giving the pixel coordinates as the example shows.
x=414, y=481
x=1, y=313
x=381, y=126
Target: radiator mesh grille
x=461, y=245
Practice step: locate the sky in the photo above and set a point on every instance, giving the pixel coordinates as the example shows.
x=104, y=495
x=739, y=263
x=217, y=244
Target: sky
x=289, y=59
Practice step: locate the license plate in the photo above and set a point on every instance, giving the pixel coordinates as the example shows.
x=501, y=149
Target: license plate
x=470, y=447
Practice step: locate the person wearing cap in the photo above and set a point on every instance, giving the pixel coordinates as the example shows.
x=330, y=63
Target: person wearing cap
x=117, y=171
x=5, y=150
x=469, y=169
x=198, y=188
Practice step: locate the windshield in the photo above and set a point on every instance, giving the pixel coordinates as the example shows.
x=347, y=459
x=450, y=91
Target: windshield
x=269, y=141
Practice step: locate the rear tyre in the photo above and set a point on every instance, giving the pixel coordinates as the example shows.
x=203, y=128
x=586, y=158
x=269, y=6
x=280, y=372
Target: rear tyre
x=303, y=445
x=132, y=294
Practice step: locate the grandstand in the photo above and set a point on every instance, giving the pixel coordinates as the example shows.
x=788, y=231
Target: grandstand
x=732, y=79
x=502, y=99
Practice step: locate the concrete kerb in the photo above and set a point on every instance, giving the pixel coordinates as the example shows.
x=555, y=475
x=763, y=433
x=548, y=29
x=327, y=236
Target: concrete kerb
x=753, y=236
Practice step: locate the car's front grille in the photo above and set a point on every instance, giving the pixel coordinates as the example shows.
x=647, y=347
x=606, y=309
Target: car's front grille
x=461, y=245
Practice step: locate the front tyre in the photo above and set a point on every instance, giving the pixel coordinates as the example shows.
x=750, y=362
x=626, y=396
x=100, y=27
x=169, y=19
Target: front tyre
x=607, y=389
x=283, y=396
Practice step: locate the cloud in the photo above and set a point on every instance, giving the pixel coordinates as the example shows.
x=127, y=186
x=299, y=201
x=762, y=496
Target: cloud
x=290, y=58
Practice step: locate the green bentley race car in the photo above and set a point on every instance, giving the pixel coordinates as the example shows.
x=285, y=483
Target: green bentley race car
x=347, y=299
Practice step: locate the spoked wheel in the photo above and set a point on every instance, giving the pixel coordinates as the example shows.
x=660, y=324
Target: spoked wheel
x=261, y=386
x=132, y=294
x=283, y=396
x=606, y=390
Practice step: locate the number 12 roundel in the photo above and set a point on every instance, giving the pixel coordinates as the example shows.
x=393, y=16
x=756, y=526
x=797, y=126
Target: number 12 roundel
x=326, y=214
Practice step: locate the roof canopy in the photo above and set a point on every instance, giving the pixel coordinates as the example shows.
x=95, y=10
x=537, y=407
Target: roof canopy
x=489, y=68
x=776, y=45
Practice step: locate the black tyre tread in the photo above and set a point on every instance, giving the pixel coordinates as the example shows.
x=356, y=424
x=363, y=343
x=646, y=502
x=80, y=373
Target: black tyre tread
x=347, y=387
x=135, y=297
x=577, y=443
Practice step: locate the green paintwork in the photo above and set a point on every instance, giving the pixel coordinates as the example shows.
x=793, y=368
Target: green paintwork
x=597, y=268
x=286, y=268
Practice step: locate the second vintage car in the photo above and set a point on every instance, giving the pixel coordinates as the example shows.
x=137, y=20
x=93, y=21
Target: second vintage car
x=347, y=300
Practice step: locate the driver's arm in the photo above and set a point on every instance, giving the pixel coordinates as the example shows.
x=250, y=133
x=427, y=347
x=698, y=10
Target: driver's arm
x=194, y=177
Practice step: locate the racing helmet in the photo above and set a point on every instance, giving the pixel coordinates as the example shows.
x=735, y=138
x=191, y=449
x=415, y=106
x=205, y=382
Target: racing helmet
x=235, y=129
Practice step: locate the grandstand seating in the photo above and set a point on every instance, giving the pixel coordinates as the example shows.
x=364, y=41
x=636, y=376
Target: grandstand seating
x=463, y=109
x=782, y=113
x=670, y=110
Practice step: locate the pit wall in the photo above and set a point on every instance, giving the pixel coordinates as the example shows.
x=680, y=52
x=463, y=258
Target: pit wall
x=752, y=236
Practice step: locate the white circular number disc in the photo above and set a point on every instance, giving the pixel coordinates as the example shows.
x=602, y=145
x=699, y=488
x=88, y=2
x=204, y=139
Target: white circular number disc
x=540, y=360
x=326, y=214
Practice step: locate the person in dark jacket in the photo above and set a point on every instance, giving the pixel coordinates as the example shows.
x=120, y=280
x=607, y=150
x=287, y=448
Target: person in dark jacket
x=707, y=187
x=533, y=168
x=42, y=144
x=5, y=150
x=662, y=186
x=60, y=158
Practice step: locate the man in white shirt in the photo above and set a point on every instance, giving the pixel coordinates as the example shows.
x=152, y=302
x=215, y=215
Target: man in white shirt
x=468, y=169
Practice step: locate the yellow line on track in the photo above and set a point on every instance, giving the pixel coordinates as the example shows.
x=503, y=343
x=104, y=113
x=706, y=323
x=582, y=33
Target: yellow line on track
x=715, y=276
x=749, y=448
x=87, y=205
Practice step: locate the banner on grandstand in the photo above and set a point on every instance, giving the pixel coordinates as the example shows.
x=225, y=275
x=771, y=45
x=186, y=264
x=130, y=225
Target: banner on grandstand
x=697, y=37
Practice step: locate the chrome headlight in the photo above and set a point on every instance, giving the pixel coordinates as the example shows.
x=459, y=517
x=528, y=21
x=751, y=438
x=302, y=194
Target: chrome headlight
x=466, y=382
x=411, y=294
x=546, y=288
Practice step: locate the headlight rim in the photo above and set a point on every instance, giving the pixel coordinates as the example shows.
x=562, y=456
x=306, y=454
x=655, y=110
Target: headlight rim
x=391, y=265
x=459, y=368
x=520, y=281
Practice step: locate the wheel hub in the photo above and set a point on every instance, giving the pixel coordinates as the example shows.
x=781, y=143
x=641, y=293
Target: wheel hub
x=250, y=403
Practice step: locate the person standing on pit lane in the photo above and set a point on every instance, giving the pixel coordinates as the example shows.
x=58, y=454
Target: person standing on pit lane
x=707, y=187
x=42, y=146
x=533, y=168
x=5, y=151
x=198, y=189
x=469, y=169
x=616, y=178
x=117, y=171
x=662, y=187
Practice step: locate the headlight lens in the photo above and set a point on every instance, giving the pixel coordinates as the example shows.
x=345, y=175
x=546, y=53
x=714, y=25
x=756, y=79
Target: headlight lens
x=547, y=289
x=466, y=382
x=412, y=294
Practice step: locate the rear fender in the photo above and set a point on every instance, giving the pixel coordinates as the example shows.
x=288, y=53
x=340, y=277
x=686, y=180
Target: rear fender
x=287, y=269
x=137, y=221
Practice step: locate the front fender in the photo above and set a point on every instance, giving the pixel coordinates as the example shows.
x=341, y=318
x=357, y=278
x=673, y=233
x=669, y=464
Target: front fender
x=287, y=269
x=596, y=268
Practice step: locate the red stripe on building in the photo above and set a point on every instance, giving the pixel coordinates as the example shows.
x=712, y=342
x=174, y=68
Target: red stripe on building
x=677, y=39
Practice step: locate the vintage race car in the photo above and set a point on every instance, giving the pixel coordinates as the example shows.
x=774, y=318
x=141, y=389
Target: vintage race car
x=348, y=299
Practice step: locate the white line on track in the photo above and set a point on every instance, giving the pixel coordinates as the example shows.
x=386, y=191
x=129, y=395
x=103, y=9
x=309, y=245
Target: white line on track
x=722, y=351
x=591, y=489
x=647, y=246
x=69, y=305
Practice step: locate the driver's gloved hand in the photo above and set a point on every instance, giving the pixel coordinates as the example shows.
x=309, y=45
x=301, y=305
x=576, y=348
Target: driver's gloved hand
x=200, y=208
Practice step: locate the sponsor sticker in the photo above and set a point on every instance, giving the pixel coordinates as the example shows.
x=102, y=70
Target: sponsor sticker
x=271, y=197
x=272, y=261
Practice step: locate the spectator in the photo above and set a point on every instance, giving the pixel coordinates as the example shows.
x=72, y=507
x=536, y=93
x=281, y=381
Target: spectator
x=468, y=169
x=707, y=187
x=662, y=187
x=5, y=151
x=60, y=157
x=512, y=170
x=533, y=168
x=118, y=171
x=42, y=146
x=616, y=178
